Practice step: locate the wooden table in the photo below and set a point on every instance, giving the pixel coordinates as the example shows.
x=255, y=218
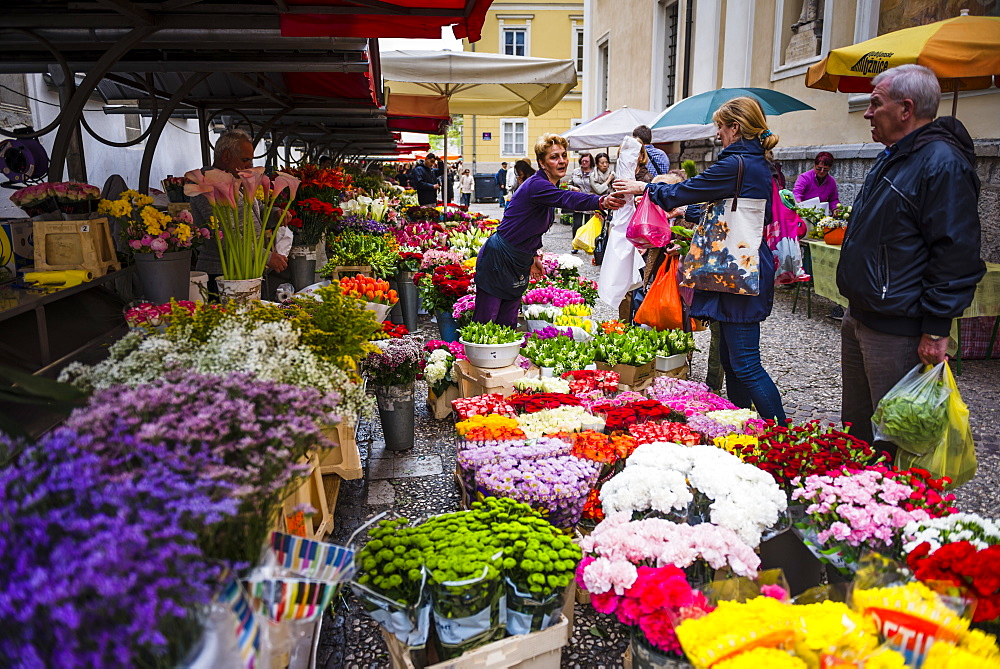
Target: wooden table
x=985, y=302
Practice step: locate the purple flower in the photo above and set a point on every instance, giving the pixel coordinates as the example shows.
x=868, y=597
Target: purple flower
x=101, y=561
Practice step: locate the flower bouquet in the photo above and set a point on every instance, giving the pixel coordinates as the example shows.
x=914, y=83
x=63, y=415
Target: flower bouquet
x=147, y=230
x=440, y=289
x=962, y=549
x=482, y=405
x=485, y=444
x=390, y=331
x=557, y=486
x=396, y=363
x=560, y=419
x=156, y=315
x=326, y=184
x=677, y=433
x=850, y=511
x=244, y=247
x=174, y=188
x=489, y=427
x=531, y=403
x=559, y=354
x=75, y=198
x=375, y=293
x=315, y=218
x=618, y=418
x=439, y=360
x=358, y=249
x=787, y=452
x=463, y=310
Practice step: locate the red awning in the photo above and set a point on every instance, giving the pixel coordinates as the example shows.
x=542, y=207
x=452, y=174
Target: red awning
x=429, y=126
x=345, y=85
x=427, y=24
x=410, y=147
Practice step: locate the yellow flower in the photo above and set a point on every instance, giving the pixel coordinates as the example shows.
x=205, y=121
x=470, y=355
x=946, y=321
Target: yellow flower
x=943, y=655
x=758, y=658
x=492, y=421
x=183, y=232
x=730, y=442
x=735, y=627
x=469, y=263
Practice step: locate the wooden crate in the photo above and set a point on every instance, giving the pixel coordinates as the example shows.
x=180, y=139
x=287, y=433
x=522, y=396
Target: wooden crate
x=538, y=650
x=86, y=245
x=345, y=459
x=310, y=492
x=440, y=407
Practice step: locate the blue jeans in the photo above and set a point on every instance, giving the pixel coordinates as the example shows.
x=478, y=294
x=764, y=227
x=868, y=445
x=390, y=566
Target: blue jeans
x=466, y=199
x=746, y=380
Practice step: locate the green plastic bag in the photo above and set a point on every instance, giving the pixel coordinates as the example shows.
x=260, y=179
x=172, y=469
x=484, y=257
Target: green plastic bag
x=914, y=413
x=955, y=454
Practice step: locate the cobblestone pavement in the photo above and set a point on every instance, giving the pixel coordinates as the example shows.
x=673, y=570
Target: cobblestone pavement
x=800, y=353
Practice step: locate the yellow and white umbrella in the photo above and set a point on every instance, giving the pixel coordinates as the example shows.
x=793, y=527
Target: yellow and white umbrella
x=964, y=53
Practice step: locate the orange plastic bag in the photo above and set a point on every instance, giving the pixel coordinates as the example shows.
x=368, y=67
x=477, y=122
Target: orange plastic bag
x=661, y=309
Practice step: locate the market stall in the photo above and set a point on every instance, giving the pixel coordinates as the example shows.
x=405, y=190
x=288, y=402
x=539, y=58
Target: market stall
x=985, y=302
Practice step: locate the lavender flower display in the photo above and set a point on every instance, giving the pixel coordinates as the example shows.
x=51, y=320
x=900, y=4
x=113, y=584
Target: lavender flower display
x=710, y=429
x=234, y=430
x=548, y=332
x=397, y=362
x=480, y=453
x=360, y=224
x=557, y=486
x=102, y=566
x=697, y=403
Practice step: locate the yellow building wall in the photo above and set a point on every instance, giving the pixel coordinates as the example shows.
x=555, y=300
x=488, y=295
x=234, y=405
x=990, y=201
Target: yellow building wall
x=550, y=35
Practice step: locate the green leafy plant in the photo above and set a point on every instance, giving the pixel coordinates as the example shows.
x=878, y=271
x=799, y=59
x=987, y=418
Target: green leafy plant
x=490, y=333
x=690, y=169
x=352, y=248
x=915, y=418
x=562, y=353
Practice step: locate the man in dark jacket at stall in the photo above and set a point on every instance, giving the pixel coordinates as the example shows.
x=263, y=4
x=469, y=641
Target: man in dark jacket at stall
x=910, y=260
x=425, y=182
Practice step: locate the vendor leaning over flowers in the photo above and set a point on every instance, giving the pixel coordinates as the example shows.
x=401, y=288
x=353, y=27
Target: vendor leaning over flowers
x=234, y=152
x=509, y=255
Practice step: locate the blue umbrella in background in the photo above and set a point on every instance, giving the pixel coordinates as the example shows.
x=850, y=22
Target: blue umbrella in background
x=699, y=108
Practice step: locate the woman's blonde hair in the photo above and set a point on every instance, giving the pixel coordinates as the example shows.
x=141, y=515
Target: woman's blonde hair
x=748, y=114
x=545, y=142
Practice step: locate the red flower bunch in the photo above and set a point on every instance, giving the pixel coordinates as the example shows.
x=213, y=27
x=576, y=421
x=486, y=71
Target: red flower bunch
x=785, y=452
x=452, y=281
x=394, y=331
x=585, y=381
x=601, y=447
x=977, y=572
x=678, y=433
x=482, y=405
x=313, y=176
x=656, y=596
x=619, y=418
x=592, y=509
x=530, y=403
x=410, y=261
x=928, y=492
x=314, y=206
x=292, y=220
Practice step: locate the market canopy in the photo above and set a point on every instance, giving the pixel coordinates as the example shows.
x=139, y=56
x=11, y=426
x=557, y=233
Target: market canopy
x=480, y=83
x=964, y=50
x=383, y=18
x=610, y=128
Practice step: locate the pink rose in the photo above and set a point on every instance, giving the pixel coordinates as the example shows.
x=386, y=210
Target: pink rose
x=158, y=245
x=135, y=243
x=146, y=240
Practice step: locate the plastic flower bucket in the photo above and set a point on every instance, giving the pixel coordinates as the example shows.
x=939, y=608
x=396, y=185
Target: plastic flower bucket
x=492, y=356
x=667, y=363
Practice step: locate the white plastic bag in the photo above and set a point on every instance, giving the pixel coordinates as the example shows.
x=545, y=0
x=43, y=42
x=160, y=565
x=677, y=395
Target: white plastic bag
x=621, y=270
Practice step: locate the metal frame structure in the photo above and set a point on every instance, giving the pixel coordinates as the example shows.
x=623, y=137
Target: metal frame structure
x=223, y=60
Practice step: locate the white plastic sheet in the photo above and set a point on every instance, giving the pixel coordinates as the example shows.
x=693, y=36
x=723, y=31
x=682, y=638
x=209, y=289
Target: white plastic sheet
x=621, y=270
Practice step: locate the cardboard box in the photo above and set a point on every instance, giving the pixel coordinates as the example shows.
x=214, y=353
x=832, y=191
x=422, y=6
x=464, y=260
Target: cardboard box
x=8, y=267
x=82, y=244
x=539, y=650
x=630, y=376
x=22, y=235
x=473, y=381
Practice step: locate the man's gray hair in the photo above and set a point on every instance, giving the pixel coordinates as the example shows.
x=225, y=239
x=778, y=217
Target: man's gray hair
x=913, y=82
x=229, y=142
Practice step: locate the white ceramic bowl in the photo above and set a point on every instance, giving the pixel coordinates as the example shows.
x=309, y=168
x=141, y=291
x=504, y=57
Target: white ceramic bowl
x=492, y=356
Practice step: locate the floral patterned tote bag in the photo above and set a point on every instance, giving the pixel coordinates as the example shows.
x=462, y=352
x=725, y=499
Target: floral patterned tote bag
x=725, y=250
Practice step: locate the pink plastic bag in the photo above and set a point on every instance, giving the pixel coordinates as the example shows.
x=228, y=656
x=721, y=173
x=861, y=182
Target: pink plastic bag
x=649, y=227
x=783, y=239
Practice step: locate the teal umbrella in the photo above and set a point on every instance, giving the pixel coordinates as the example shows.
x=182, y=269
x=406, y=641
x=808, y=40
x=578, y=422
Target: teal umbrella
x=699, y=108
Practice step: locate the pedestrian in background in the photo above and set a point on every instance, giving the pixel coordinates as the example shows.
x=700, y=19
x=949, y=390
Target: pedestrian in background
x=466, y=186
x=818, y=182
x=501, y=180
x=580, y=182
x=910, y=260
x=659, y=162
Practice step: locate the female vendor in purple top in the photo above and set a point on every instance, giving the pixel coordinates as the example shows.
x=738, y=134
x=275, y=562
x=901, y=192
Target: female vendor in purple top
x=509, y=256
x=817, y=182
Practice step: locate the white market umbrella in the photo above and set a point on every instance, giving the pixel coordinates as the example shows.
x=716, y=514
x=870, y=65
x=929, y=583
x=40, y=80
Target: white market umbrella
x=480, y=83
x=610, y=128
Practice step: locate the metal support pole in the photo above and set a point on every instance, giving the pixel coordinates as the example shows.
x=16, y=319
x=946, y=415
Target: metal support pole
x=156, y=129
x=76, y=160
x=73, y=108
x=206, y=152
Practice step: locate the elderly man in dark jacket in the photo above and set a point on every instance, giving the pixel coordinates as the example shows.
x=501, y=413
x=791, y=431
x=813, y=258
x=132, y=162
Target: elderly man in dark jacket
x=910, y=260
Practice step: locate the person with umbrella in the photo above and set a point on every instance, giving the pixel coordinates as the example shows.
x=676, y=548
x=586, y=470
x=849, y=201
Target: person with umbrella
x=745, y=137
x=509, y=256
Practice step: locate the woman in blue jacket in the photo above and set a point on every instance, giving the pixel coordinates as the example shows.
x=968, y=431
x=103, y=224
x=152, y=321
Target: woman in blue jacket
x=742, y=129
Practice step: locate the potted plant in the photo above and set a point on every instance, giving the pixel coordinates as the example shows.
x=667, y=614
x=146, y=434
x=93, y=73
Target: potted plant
x=311, y=220
x=491, y=346
x=439, y=290
x=673, y=349
x=160, y=244
x=239, y=232
x=392, y=371
x=354, y=252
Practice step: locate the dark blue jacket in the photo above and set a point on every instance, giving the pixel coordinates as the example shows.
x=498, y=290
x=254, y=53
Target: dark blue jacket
x=501, y=178
x=718, y=182
x=423, y=180
x=910, y=261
